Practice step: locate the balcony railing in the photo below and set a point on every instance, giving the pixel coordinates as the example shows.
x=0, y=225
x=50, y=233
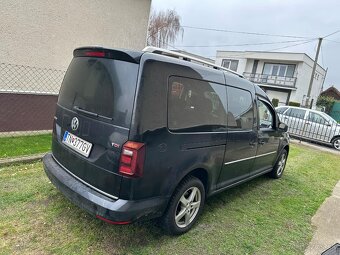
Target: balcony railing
x=271, y=79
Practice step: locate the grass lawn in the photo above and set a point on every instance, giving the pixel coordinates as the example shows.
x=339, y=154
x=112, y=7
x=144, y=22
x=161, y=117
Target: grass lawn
x=263, y=216
x=24, y=145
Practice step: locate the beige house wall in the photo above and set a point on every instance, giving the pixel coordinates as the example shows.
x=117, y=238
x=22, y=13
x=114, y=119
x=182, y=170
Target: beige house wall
x=43, y=33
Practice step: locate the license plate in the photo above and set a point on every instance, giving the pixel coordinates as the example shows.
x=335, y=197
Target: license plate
x=79, y=145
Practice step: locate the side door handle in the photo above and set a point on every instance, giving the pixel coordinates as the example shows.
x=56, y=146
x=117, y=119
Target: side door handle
x=262, y=142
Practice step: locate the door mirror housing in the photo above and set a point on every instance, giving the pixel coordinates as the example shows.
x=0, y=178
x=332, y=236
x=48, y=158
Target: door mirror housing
x=283, y=127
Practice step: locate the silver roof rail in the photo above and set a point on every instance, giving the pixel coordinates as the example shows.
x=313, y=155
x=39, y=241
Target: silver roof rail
x=186, y=57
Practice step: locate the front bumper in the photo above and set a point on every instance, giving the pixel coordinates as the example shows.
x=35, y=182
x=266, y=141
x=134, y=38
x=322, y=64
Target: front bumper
x=116, y=211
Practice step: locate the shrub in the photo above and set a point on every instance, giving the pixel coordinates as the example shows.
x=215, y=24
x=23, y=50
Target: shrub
x=275, y=102
x=327, y=102
x=294, y=104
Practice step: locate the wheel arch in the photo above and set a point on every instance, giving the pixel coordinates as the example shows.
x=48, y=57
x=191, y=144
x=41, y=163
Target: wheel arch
x=286, y=147
x=199, y=173
x=334, y=137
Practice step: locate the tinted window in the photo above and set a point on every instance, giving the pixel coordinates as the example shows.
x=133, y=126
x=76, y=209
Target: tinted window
x=266, y=117
x=297, y=113
x=196, y=106
x=102, y=86
x=240, y=109
x=281, y=109
x=314, y=117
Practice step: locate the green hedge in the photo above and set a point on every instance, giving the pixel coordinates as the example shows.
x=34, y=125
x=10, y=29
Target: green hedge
x=275, y=102
x=294, y=104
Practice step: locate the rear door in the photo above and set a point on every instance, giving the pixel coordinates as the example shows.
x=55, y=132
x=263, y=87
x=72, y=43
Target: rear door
x=241, y=139
x=294, y=118
x=318, y=128
x=95, y=104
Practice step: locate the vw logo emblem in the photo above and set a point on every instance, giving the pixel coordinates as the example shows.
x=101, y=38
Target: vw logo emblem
x=74, y=123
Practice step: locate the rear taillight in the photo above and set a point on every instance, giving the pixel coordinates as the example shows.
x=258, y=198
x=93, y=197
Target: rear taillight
x=94, y=54
x=132, y=159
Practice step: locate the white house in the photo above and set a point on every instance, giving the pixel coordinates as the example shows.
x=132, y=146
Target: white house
x=283, y=75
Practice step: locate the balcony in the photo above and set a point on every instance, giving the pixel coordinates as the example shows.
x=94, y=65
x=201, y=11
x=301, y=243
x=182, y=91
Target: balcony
x=277, y=81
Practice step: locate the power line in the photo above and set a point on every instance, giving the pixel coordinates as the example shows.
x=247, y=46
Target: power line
x=293, y=45
x=331, y=34
x=271, y=50
x=244, y=32
x=233, y=45
x=332, y=41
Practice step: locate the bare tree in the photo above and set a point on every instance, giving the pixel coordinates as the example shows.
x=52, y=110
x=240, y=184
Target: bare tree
x=164, y=27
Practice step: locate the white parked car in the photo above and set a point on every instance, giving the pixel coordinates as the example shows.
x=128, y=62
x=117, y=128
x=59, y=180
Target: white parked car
x=310, y=124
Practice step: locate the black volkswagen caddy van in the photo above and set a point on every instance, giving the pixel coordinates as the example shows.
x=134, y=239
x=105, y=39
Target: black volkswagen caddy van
x=141, y=135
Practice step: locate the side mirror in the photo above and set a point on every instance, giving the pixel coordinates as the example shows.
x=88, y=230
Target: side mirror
x=283, y=127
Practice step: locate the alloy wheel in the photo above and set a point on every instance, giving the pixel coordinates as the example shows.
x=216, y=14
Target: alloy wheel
x=281, y=164
x=336, y=144
x=188, y=207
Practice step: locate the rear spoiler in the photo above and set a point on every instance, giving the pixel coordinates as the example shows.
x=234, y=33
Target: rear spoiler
x=100, y=52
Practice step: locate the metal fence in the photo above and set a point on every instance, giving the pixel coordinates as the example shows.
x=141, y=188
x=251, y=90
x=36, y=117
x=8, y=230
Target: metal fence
x=27, y=99
x=335, y=112
x=313, y=128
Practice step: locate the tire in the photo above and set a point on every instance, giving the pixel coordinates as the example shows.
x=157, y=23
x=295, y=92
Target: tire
x=280, y=165
x=336, y=143
x=185, y=205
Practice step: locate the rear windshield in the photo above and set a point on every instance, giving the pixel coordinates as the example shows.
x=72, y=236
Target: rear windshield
x=102, y=86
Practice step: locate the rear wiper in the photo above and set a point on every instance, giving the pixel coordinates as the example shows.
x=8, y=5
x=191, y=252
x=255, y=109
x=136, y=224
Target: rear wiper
x=93, y=114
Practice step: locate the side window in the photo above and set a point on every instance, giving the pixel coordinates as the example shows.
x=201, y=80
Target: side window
x=196, y=106
x=266, y=117
x=297, y=113
x=314, y=117
x=240, y=109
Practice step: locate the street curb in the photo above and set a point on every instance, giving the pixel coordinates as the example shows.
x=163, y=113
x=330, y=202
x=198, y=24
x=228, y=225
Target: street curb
x=316, y=147
x=17, y=160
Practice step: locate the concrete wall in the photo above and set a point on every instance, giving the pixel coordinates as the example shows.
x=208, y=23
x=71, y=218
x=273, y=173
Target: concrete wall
x=302, y=83
x=43, y=33
x=37, y=39
x=26, y=112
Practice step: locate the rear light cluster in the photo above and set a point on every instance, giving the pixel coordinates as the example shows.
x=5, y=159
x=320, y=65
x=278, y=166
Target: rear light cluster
x=132, y=159
x=95, y=54
x=98, y=53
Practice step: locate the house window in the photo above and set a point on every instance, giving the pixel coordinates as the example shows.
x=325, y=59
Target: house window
x=230, y=64
x=281, y=70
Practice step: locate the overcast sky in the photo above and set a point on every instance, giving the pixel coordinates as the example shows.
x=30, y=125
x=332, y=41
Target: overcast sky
x=305, y=18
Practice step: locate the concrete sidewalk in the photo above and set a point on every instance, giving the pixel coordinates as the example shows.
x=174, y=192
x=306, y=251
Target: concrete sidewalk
x=327, y=223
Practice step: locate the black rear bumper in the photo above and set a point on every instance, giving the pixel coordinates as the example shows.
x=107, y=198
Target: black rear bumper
x=115, y=210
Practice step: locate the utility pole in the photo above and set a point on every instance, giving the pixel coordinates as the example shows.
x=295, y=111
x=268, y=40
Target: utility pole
x=313, y=73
